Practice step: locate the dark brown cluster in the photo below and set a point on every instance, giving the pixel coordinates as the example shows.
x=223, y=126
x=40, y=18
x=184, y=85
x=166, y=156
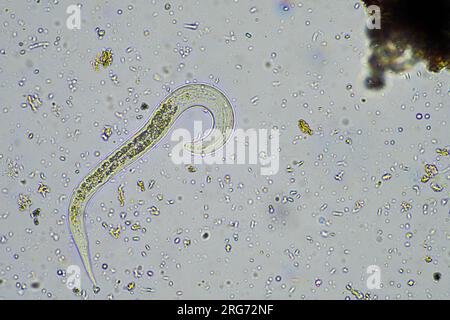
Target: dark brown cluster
x=411, y=31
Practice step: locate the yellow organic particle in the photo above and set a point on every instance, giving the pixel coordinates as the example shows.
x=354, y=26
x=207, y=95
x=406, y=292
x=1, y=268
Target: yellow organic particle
x=131, y=286
x=186, y=242
x=406, y=206
x=431, y=170
x=191, y=168
x=298, y=163
x=121, y=195
x=105, y=58
x=35, y=215
x=156, y=127
x=304, y=127
x=24, y=202
x=106, y=133
x=356, y=293
x=411, y=282
x=359, y=204
x=34, y=102
x=135, y=227
x=443, y=152
x=154, y=211
x=359, y=295
x=115, y=232
x=43, y=189
x=436, y=187
x=141, y=185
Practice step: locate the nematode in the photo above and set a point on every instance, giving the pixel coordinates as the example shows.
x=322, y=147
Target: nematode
x=156, y=127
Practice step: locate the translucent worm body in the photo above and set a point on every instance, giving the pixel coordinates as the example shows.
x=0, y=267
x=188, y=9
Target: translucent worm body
x=157, y=126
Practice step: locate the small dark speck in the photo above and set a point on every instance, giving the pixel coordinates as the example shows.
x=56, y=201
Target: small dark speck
x=437, y=276
x=205, y=235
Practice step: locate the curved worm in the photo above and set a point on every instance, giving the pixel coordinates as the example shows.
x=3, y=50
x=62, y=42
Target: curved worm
x=157, y=126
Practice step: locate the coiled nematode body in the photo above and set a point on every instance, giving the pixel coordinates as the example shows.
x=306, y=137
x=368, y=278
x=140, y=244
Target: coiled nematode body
x=157, y=126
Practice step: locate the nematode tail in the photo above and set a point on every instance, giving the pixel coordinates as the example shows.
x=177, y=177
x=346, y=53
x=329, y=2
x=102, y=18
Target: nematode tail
x=157, y=126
